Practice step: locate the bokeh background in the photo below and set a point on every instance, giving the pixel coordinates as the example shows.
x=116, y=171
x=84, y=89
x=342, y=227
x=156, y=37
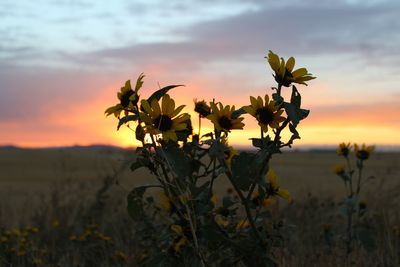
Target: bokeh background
x=62, y=63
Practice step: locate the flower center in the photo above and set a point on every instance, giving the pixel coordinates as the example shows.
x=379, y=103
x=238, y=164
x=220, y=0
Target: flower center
x=264, y=115
x=225, y=123
x=125, y=98
x=163, y=123
x=362, y=154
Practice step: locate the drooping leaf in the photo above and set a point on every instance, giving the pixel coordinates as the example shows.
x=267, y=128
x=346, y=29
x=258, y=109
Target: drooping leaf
x=237, y=113
x=140, y=133
x=294, y=113
x=127, y=119
x=161, y=92
x=142, y=162
x=242, y=170
x=295, y=99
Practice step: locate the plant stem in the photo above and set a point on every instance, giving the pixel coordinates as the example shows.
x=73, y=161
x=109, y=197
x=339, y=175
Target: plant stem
x=244, y=202
x=360, y=167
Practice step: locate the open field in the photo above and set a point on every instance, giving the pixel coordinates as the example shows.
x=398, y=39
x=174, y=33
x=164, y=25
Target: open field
x=60, y=192
x=26, y=171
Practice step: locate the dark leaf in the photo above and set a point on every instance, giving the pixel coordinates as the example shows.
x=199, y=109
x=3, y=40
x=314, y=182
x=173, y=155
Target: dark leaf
x=295, y=99
x=135, y=203
x=140, y=133
x=237, y=113
x=127, y=119
x=159, y=93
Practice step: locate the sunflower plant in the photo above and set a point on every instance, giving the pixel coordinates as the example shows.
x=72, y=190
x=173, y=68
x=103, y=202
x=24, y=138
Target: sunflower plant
x=359, y=226
x=180, y=219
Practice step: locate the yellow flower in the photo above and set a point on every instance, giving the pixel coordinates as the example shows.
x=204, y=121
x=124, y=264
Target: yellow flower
x=220, y=220
x=179, y=243
x=181, y=240
x=128, y=98
x=343, y=149
x=214, y=200
x=267, y=114
x=165, y=119
x=222, y=118
x=274, y=188
x=202, y=108
x=284, y=73
x=339, y=169
x=242, y=224
x=364, y=152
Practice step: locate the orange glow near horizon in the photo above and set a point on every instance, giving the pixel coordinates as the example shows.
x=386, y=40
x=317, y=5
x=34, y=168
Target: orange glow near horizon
x=87, y=125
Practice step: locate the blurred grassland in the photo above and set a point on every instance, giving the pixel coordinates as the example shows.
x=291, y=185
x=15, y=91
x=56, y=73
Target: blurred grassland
x=31, y=171
x=79, y=186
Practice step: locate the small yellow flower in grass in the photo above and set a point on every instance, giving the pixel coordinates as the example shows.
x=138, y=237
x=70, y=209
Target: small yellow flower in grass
x=339, y=169
x=363, y=152
x=221, y=220
x=202, y=108
x=120, y=255
x=214, y=200
x=274, y=188
x=163, y=120
x=266, y=113
x=222, y=118
x=3, y=239
x=242, y=224
x=343, y=149
x=179, y=243
x=284, y=73
x=269, y=201
x=181, y=240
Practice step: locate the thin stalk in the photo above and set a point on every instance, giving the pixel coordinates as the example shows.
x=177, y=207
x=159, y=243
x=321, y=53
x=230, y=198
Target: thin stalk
x=244, y=202
x=360, y=167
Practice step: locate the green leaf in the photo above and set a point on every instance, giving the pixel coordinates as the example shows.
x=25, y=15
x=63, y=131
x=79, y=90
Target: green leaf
x=180, y=163
x=243, y=170
x=294, y=113
x=135, y=203
x=277, y=98
x=295, y=99
x=237, y=113
x=142, y=162
x=159, y=93
x=127, y=119
x=139, y=82
x=113, y=109
x=140, y=133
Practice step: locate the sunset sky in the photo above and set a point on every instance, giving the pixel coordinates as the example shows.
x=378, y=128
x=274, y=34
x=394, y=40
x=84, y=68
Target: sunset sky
x=62, y=63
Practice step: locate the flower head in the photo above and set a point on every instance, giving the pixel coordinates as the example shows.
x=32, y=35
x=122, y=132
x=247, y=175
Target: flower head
x=223, y=119
x=343, y=149
x=284, y=73
x=339, y=169
x=202, y=108
x=165, y=119
x=127, y=96
x=267, y=113
x=274, y=188
x=363, y=152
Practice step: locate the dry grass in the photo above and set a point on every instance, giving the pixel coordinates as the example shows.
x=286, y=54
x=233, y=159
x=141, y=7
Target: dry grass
x=77, y=187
